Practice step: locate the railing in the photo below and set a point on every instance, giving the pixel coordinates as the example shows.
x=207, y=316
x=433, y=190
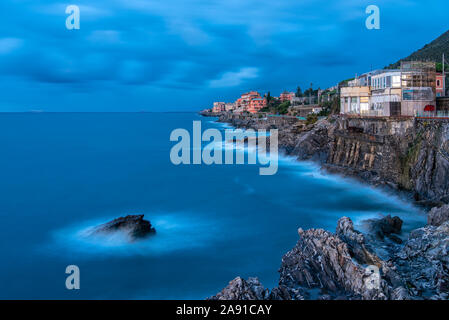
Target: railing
x=433, y=114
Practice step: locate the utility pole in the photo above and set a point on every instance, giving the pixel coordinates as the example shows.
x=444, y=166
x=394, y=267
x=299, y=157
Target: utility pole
x=444, y=79
x=310, y=93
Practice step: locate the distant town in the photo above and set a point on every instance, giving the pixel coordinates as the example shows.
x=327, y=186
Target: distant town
x=415, y=89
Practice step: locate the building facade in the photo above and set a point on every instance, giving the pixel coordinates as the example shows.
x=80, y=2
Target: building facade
x=385, y=93
x=218, y=107
x=355, y=99
x=286, y=96
x=418, y=87
x=439, y=85
x=256, y=104
x=408, y=91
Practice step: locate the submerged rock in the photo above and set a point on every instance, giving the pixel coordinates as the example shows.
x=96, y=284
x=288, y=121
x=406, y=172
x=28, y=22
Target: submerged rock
x=133, y=225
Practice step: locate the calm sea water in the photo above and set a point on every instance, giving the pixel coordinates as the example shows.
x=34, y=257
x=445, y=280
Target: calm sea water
x=63, y=173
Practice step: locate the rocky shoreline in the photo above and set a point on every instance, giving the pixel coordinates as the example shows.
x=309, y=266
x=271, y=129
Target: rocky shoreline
x=406, y=155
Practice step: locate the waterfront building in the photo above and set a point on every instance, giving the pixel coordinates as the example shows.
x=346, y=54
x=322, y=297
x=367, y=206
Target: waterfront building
x=385, y=93
x=286, y=96
x=354, y=99
x=256, y=104
x=408, y=91
x=418, y=87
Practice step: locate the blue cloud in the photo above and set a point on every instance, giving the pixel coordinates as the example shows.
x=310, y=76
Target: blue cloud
x=182, y=55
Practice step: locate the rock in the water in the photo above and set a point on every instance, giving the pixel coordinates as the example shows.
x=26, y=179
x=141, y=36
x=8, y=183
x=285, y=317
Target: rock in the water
x=385, y=227
x=133, y=225
x=437, y=216
x=240, y=289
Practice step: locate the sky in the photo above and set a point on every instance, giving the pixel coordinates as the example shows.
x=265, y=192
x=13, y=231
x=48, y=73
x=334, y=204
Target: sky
x=181, y=55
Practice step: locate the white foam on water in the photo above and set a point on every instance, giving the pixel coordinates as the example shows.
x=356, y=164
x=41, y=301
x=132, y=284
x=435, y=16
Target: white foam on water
x=181, y=231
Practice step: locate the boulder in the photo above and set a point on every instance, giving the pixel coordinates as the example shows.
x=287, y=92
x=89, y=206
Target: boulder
x=133, y=225
x=438, y=215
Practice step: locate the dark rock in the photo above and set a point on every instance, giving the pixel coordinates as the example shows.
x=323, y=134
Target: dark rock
x=395, y=239
x=385, y=226
x=437, y=216
x=133, y=225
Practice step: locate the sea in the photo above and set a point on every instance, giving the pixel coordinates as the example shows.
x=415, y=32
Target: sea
x=64, y=173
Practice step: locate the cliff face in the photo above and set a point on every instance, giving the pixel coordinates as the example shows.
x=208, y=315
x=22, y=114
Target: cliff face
x=407, y=154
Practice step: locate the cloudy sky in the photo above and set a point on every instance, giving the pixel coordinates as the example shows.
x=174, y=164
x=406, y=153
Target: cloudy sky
x=181, y=55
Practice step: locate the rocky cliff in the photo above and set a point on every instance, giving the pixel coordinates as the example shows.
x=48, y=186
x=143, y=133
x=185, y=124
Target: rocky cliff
x=405, y=154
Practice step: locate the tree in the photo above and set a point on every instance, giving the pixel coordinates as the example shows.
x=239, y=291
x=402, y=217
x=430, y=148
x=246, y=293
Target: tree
x=269, y=97
x=283, y=107
x=439, y=67
x=298, y=93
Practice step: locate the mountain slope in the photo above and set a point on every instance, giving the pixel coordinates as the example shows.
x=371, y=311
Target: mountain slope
x=430, y=52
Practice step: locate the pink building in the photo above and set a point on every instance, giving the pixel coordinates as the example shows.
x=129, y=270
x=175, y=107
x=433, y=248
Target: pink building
x=286, y=96
x=439, y=85
x=219, y=107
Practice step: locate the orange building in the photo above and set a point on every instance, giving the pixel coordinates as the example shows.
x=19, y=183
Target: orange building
x=256, y=104
x=243, y=103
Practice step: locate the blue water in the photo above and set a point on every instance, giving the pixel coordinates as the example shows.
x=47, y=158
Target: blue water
x=62, y=173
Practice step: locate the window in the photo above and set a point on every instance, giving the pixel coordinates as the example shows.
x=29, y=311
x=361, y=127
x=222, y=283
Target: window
x=396, y=82
x=438, y=83
x=364, y=99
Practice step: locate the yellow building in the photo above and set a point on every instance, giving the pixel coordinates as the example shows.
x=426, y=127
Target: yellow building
x=355, y=100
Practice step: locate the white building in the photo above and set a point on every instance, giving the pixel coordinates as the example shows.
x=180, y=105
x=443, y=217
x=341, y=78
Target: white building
x=407, y=92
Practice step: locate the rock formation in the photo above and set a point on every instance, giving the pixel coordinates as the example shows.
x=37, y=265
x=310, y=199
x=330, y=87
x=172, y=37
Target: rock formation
x=385, y=227
x=133, y=225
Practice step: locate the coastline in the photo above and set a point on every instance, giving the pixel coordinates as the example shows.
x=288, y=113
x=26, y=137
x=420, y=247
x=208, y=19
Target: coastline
x=300, y=272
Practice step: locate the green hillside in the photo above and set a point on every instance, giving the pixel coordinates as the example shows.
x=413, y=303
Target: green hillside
x=430, y=52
